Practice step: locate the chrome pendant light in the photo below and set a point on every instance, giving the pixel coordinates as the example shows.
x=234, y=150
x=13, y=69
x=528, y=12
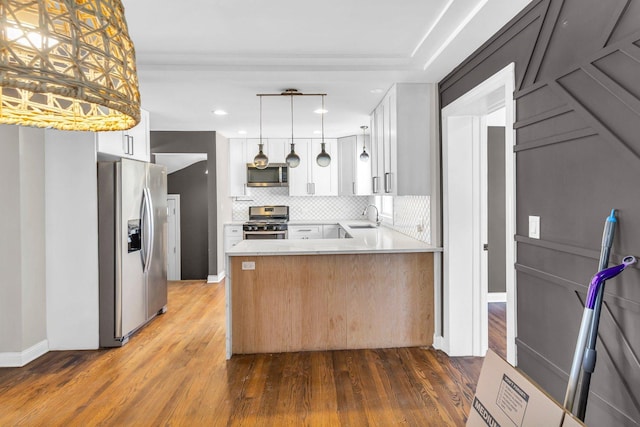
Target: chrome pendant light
x=323, y=159
x=293, y=160
x=364, y=156
x=261, y=161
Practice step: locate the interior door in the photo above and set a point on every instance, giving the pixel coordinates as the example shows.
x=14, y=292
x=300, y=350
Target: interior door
x=173, y=237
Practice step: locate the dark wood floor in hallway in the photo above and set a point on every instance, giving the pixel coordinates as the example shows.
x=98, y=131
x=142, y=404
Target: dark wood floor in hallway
x=174, y=372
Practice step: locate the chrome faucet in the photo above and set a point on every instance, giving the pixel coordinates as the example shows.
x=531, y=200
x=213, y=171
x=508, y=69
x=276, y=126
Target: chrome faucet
x=364, y=212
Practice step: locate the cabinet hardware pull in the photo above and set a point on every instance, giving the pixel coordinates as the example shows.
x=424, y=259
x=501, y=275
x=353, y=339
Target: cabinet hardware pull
x=374, y=184
x=387, y=182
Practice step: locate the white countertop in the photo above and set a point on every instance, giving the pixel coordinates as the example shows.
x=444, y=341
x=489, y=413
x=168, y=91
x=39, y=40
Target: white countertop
x=364, y=240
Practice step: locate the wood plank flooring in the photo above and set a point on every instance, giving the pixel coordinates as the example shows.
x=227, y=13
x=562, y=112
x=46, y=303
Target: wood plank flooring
x=174, y=372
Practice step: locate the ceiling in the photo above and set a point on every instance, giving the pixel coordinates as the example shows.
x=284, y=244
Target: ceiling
x=198, y=56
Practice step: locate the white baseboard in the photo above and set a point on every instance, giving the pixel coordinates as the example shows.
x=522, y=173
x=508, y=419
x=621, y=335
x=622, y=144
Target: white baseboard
x=497, y=297
x=216, y=278
x=19, y=359
x=438, y=343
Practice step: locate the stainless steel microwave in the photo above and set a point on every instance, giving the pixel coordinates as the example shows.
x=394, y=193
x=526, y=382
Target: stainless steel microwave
x=274, y=175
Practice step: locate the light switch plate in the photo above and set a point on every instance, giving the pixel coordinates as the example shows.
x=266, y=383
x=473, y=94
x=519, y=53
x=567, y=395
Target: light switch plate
x=534, y=227
x=248, y=265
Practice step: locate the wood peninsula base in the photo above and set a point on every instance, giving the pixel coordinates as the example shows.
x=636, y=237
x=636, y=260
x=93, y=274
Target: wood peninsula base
x=330, y=302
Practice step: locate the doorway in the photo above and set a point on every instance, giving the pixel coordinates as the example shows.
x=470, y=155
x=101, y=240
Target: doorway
x=465, y=293
x=173, y=237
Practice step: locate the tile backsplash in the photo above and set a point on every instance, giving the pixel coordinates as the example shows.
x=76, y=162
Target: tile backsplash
x=412, y=216
x=301, y=208
x=409, y=212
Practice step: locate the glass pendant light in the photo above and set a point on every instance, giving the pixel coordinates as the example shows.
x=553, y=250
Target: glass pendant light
x=323, y=159
x=293, y=160
x=364, y=156
x=261, y=161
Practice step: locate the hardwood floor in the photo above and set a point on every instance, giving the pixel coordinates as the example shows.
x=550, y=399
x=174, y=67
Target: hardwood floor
x=174, y=372
x=498, y=328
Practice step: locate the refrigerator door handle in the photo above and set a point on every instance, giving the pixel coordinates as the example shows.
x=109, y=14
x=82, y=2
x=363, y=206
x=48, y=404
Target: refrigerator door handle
x=147, y=229
x=152, y=225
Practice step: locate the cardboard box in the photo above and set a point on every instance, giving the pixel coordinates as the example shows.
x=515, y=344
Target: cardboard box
x=571, y=421
x=505, y=397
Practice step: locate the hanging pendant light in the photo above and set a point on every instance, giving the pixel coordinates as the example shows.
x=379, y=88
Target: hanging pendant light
x=293, y=160
x=323, y=159
x=67, y=65
x=364, y=156
x=261, y=161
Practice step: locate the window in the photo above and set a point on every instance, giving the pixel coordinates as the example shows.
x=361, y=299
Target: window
x=385, y=206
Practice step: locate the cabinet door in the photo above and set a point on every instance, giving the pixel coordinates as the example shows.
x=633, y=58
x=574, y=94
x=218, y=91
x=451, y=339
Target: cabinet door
x=362, y=170
x=390, y=143
x=305, y=232
x=278, y=148
x=379, y=148
x=131, y=144
x=299, y=184
x=111, y=142
x=137, y=139
x=324, y=179
x=347, y=173
x=232, y=236
x=237, y=167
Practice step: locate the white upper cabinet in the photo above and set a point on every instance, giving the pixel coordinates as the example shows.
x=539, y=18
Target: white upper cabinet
x=354, y=174
x=402, y=134
x=243, y=151
x=310, y=179
x=132, y=143
x=238, y=167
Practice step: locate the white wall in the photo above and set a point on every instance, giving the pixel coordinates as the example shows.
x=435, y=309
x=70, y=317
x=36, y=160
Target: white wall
x=32, y=232
x=224, y=204
x=71, y=240
x=10, y=244
x=22, y=258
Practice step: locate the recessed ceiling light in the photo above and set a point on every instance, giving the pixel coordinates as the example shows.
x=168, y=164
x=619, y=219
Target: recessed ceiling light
x=376, y=91
x=242, y=132
x=220, y=113
x=321, y=111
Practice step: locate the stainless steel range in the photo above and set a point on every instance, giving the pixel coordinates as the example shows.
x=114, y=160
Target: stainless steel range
x=266, y=222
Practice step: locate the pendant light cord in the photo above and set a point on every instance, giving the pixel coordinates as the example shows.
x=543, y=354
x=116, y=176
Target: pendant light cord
x=260, y=119
x=291, y=119
x=322, y=119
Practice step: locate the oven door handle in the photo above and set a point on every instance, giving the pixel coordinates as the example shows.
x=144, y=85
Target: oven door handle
x=273, y=232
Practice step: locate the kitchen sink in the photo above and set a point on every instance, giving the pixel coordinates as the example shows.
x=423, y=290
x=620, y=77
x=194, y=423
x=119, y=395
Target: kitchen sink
x=356, y=226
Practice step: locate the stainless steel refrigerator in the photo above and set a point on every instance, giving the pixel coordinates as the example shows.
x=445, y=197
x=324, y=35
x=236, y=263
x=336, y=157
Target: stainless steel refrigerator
x=132, y=226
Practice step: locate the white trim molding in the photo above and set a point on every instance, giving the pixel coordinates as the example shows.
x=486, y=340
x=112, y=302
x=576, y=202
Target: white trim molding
x=213, y=278
x=497, y=297
x=20, y=359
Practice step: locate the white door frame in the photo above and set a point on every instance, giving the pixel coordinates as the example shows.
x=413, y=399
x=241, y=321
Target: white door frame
x=177, y=265
x=464, y=298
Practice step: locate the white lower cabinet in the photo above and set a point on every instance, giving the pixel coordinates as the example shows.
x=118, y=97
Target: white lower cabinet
x=314, y=231
x=305, y=232
x=232, y=236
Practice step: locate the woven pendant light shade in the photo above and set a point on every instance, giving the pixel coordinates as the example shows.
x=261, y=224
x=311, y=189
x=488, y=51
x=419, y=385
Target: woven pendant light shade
x=67, y=65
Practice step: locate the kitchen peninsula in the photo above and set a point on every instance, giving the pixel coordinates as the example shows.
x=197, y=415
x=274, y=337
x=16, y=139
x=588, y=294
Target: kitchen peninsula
x=371, y=290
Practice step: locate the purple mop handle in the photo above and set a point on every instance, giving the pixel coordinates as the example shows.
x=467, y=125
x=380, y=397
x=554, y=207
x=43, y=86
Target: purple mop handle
x=602, y=276
x=587, y=316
